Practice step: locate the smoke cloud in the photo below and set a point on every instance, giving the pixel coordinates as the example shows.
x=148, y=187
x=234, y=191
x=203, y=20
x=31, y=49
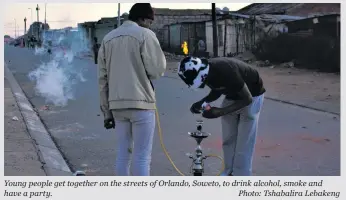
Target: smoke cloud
x=55, y=79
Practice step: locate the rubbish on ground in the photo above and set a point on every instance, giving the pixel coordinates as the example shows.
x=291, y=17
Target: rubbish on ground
x=247, y=56
x=287, y=64
x=15, y=118
x=171, y=56
x=45, y=107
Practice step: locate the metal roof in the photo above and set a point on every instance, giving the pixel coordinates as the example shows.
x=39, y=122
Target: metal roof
x=295, y=9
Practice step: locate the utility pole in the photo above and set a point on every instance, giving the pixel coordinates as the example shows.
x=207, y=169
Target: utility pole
x=24, y=25
x=37, y=10
x=38, y=25
x=45, y=21
x=45, y=13
x=215, y=40
x=118, y=14
x=15, y=28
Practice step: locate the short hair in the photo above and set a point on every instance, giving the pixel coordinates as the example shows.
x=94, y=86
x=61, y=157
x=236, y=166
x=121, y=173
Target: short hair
x=141, y=11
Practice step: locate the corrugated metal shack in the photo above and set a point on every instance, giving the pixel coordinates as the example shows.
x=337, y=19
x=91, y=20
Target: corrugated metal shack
x=324, y=25
x=294, y=9
x=175, y=34
x=243, y=31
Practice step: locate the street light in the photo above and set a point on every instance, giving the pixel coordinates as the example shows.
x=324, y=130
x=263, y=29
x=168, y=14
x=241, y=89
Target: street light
x=38, y=22
x=15, y=28
x=24, y=25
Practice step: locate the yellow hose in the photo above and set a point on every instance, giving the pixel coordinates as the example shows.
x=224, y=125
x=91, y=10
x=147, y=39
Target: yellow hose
x=169, y=157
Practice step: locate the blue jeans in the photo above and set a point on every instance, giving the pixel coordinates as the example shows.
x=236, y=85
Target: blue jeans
x=239, y=131
x=134, y=130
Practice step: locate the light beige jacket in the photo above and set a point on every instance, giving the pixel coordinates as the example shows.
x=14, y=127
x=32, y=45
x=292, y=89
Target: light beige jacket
x=128, y=58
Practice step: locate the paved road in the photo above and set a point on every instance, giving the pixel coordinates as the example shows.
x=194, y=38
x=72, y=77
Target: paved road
x=292, y=141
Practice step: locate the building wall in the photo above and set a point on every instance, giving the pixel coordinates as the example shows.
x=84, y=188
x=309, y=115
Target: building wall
x=166, y=37
x=209, y=37
x=174, y=39
x=183, y=32
x=161, y=20
x=101, y=30
x=325, y=26
x=239, y=37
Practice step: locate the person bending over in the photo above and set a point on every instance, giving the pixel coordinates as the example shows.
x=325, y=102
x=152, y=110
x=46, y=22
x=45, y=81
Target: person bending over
x=243, y=89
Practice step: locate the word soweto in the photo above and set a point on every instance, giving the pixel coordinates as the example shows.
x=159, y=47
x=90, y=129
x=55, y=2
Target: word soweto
x=184, y=183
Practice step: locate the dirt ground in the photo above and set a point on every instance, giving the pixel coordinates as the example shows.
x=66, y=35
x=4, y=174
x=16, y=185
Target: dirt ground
x=304, y=87
x=297, y=86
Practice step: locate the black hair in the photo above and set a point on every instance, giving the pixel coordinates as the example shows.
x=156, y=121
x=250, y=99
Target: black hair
x=141, y=11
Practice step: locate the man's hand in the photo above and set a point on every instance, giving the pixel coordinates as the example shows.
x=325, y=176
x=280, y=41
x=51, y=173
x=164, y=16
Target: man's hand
x=212, y=113
x=196, y=107
x=109, y=123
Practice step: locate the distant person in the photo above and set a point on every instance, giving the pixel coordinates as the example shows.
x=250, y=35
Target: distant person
x=28, y=42
x=240, y=110
x=23, y=42
x=96, y=48
x=49, y=46
x=201, y=46
x=32, y=41
x=130, y=56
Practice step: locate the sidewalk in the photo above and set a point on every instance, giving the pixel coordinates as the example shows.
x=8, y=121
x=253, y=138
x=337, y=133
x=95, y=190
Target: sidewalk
x=29, y=148
x=20, y=156
x=319, y=91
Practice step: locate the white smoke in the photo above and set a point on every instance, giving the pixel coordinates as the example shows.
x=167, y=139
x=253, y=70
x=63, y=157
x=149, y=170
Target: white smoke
x=39, y=51
x=55, y=79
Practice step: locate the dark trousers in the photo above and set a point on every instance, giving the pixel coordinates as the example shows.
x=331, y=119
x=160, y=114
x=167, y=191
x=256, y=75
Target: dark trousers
x=95, y=57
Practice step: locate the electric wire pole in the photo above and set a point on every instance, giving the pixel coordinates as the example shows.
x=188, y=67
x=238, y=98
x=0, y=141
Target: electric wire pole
x=45, y=13
x=118, y=14
x=215, y=40
x=37, y=10
x=24, y=25
x=38, y=24
x=15, y=28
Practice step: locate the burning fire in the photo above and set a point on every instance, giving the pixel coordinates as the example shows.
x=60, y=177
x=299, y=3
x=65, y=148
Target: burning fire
x=184, y=47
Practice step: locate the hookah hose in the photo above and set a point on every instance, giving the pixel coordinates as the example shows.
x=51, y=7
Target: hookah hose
x=167, y=154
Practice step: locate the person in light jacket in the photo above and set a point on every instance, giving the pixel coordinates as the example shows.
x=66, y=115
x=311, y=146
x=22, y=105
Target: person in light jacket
x=129, y=57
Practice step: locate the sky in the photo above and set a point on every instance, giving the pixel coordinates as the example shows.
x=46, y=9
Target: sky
x=60, y=15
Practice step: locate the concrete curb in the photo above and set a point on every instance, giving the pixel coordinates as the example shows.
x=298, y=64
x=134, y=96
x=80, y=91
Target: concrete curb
x=53, y=162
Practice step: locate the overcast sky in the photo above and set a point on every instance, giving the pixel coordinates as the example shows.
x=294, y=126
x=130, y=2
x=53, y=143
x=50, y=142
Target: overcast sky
x=60, y=15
